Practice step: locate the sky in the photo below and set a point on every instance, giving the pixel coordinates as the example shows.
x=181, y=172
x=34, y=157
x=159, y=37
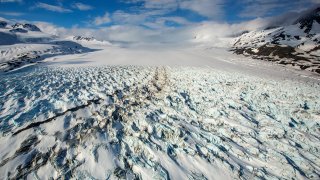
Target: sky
x=145, y=18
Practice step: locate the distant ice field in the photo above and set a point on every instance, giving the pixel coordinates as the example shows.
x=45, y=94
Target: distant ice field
x=156, y=123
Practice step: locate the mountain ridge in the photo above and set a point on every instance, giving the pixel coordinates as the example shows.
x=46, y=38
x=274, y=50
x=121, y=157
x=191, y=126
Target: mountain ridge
x=296, y=45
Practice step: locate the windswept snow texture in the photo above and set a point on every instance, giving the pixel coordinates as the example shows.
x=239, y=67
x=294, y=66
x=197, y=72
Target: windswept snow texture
x=156, y=123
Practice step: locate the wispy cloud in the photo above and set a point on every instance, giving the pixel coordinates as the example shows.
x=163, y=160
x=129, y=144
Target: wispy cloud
x=212, y=9
x=148, y=19
x=82, y=7
x=151, y=21
x=53, y=8
x=208, y=31
x=164, y=4
x=149, y=13
x=121, y=17
x=12, y=13
x=261, y=8
x=100, y=20
x=10, y=1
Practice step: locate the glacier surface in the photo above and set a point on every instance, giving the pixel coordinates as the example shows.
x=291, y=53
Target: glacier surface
x=133, y=122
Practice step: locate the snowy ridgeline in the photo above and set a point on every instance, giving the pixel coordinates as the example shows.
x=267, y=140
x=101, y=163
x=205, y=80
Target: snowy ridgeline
x=296, y=45
x=156, y=123
x=23, y=44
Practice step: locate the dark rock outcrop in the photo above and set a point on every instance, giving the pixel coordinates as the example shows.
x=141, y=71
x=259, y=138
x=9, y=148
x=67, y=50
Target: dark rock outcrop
x=3, y=24
x=28, y=27
x=306, y=21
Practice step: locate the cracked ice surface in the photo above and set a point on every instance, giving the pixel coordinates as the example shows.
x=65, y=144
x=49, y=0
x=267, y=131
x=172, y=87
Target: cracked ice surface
x=156, y=123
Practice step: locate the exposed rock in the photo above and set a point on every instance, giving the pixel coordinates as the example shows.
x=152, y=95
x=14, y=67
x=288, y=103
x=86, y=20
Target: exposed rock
x=81, y=38
x=306, y=21
x=18, y=30
x=31, y=27
x=3, y=24
x=28, y=27
x=295, y=45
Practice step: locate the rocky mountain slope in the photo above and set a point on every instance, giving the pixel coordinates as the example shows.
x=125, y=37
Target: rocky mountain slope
x=296, y=45
x=88, y=40
x=82, y=38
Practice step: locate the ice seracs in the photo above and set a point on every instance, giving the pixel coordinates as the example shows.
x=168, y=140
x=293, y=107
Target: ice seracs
x=127, y=122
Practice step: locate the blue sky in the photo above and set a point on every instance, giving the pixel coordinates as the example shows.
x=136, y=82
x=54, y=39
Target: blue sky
x=146, y=13
x=152, y=20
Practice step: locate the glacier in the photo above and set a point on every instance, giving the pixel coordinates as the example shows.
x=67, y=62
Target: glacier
x=80, y=108
x=134, y=122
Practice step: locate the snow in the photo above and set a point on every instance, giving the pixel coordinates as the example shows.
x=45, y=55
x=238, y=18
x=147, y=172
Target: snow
x=155, y=111
x=28, y=50
x=291, y=46
x=196, y=55
x=8, y=52
x=159, y=122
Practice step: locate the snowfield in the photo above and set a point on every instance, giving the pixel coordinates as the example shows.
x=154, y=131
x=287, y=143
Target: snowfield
x=157, y=123
x=24, y=47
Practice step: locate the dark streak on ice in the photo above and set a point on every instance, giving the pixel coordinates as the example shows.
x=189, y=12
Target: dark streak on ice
x=36, y=124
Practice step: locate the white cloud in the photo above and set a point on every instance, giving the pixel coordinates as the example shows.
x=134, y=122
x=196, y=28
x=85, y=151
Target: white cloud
x=161, y=23
x=214, y=9
x=175, y=19
x=207, y=8
x=53, y=8
x=121, y=17
x=10, y=1
x=208, y=31
x=163, y=4
x=12, y=13
x=262, y=8
x=51, y=29
x=257, y=11
x=128, y=27
x=126, y=33
x=82, y=7
x=120, y=33
x=152, y=19
x=3, y=19
x=100, y=20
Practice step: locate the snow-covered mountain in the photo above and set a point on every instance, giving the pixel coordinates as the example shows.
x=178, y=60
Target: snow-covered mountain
x=22, y=44
x=88, y=40
x=3, y=24
x=295, y=45
x=82, y=38
x=28, y=27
